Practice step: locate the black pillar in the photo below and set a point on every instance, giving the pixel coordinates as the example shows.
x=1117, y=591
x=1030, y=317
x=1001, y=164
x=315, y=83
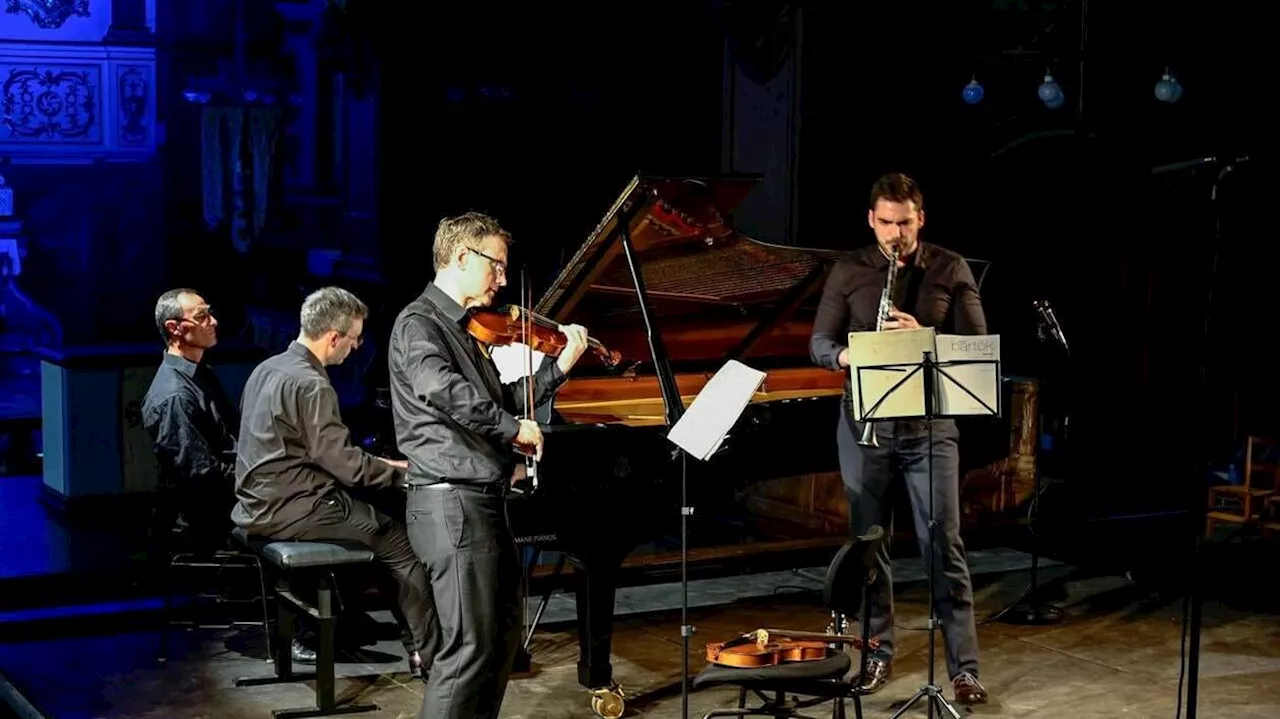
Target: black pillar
x=128, y=20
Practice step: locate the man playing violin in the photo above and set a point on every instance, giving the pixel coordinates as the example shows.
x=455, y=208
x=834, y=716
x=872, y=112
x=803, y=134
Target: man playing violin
x=459, y=427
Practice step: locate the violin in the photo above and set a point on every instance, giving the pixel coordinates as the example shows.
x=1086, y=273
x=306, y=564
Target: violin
x=744, y=654
x=768, y=647
x=513, y=323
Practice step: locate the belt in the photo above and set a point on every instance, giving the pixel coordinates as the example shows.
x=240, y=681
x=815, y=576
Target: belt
x=491, y=488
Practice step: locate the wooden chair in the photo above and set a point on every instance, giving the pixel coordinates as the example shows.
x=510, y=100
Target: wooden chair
x=1271, y=516
x=1242, y=504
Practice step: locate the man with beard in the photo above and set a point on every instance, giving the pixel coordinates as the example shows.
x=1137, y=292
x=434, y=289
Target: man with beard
x=934, y=288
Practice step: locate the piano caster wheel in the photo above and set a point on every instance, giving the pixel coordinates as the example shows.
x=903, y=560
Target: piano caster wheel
x=608, y=703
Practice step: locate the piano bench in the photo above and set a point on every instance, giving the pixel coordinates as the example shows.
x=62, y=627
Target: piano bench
x=289, y=560
x=821, y=681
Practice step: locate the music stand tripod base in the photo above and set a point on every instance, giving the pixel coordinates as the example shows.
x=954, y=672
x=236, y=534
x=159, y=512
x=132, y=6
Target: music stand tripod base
x=931, y=693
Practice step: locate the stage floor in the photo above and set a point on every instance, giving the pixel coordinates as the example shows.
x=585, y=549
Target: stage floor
x=1116, y=653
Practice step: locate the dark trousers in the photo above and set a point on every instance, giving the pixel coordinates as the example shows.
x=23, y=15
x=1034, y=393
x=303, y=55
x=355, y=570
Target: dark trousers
x=462, y=537
x=872, y=477
x=343, y=518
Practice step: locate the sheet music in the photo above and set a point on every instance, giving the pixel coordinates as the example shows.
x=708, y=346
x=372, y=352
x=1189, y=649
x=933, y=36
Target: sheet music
x=702, y=429
x=512, y=361
x=982, y=380
x=870, y=350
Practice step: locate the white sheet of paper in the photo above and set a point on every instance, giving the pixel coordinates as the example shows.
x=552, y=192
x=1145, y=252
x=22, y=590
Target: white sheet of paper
x=512, y=361
x=711, y=415
x=982, y=380
x=870, y=351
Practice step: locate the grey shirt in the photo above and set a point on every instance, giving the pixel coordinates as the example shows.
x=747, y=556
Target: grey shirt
x=294, y=452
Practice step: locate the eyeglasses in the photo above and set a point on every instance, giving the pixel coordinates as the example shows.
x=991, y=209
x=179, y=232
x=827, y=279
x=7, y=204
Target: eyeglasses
x=201, y=317
x=498, y=265
x=355, y=339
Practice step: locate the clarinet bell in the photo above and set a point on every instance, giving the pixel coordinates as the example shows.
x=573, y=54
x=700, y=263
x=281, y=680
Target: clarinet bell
x=868, y=438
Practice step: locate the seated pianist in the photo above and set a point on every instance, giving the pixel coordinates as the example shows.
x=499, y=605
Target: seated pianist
x=297, y=468
x=192, y=424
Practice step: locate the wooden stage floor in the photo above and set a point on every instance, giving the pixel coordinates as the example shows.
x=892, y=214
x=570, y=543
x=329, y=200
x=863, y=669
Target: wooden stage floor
x=1117, y=653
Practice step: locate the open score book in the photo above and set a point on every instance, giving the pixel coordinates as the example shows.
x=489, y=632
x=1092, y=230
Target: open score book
x=888, y=377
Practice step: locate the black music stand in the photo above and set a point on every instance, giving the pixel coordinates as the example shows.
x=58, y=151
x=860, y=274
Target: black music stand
x=699, y=433
x=930, y=371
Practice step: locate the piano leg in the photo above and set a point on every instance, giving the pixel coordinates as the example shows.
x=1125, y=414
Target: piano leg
x=596, y=590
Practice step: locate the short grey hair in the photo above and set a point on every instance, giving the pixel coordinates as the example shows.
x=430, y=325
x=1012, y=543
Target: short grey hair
x=330, y=309
x=465, y=230
x=169, y=308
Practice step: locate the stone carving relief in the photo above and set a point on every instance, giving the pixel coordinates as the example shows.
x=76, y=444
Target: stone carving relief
x=48, y=14
x=51, y=103
x=134, y=97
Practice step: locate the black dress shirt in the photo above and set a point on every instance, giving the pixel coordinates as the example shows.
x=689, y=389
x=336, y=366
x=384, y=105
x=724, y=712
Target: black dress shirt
x=192, y=424
x=936, y=286
x=454, y=419
x=294, y=451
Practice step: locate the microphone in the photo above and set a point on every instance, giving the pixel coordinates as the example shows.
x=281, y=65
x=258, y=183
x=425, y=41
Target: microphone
x=1198, y=163
x=1049, y=323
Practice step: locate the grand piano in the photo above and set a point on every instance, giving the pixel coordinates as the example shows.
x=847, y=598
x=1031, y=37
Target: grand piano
x=666, y=281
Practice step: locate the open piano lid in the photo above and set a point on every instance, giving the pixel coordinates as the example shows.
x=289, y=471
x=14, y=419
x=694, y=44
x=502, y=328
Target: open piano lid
x=714, y=293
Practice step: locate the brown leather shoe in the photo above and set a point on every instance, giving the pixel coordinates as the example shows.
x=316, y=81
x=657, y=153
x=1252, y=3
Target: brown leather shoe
x=969, y=690
x=877, y=675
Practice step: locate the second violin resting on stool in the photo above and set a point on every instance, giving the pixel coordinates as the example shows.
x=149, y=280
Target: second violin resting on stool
x=768, y=647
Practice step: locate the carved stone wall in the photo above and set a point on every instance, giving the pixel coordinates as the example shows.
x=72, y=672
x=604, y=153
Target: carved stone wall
x=60, y=20
x=68, y=92
x=74, y=20
x=76, y=103
x=78, y=133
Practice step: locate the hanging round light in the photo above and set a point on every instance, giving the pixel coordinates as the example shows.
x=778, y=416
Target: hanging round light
x=973, y=92
x=1050, y=93
x=1168, y=89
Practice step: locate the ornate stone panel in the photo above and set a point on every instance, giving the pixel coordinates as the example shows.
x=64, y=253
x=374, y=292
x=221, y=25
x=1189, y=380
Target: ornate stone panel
x=48, y=14
x=62, y=104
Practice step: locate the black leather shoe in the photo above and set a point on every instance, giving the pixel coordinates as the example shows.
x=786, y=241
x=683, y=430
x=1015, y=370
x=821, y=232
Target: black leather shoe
x=877, y=675
x=301, y=654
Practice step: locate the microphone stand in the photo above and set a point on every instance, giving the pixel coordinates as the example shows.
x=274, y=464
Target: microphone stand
x=1029, y=609
x=1198, y=505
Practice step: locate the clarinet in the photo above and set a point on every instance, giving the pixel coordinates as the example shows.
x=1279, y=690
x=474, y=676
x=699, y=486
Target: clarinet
x=868, y=438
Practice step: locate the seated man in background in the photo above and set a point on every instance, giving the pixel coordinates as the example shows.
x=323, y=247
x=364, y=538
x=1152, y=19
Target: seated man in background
x=192, y=425
x=296, y=462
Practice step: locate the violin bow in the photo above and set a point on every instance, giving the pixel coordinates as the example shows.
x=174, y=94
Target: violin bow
x=526, y=301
